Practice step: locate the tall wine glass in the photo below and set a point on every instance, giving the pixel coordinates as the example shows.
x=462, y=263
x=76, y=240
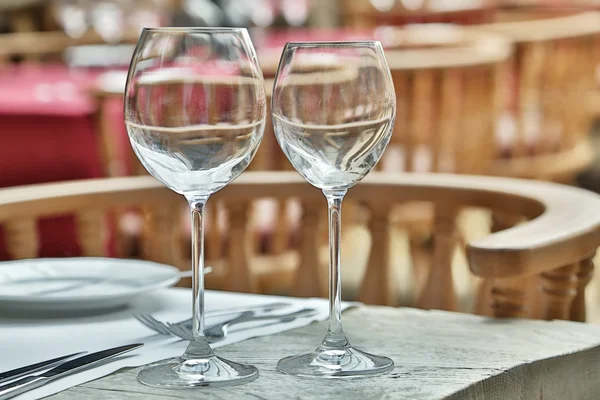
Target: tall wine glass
x=195, y=113
x=333, y=109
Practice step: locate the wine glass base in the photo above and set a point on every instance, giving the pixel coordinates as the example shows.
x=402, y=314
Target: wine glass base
x=335, y=363
x=183, y=373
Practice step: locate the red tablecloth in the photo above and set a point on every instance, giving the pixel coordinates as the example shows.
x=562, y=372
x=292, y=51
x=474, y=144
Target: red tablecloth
x=47, y=134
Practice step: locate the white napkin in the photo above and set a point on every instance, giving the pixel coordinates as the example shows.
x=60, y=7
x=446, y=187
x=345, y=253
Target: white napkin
x=25, y=341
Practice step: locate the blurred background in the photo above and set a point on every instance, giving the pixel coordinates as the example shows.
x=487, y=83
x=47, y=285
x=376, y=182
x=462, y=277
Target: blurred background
x=507, y=88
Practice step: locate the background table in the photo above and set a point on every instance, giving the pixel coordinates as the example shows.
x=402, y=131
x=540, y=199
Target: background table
x=47, y=135
x=438, y=355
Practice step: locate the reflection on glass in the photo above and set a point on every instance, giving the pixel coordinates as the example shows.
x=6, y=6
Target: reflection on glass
x=195, y=112
x=333, y=110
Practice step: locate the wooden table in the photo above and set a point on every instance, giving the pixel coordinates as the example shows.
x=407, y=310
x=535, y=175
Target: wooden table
x=438, y=355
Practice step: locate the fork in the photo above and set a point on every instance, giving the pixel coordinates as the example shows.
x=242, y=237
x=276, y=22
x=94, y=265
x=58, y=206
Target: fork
x=163, y=329
x=218, y=332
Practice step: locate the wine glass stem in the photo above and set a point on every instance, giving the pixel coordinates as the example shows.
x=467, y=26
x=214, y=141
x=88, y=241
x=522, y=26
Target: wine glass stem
x=335, y=337
x=199, y=346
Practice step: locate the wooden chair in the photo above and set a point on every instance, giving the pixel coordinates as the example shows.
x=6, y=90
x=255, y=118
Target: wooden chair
x=512, y=11
x=548, y=117
x=425, y=61
x=554, y=81
x=118, y=157
x=275, y=221
x=37, y=46
x=448, y=92
x=366, y=13
x=464, y=72
x=21, y=14
x=553, y=248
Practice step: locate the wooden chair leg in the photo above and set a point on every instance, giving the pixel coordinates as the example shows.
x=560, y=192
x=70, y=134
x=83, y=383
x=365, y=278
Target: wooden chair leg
x=239, y=275
x=584, y=276
x=281, y=235
x=559, y=289
x=421, y=254
x=108, y=149
x=438, y=292
x=159, y=238
x=213, y=240
x=307, y=282
x=509, y=297
x=22, y=21
x=90, y=232
x=126, y=223
x=21, y=238
x=485, y=300
x=378, y=286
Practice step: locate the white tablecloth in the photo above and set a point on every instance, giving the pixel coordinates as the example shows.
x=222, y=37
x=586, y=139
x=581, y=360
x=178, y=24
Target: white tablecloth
x=27, y=340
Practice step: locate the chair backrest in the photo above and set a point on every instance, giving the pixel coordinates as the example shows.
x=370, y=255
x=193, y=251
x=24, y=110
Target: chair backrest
x=448, y=84
x=365, y=13
x=448, y=93
x=37, y=46
x=448, y=90
x=555, y=245
x=521, y=11
x=553, y=77
x=22, y=15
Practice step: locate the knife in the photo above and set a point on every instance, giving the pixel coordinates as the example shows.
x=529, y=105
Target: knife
x=12, y=389
x=30, y=369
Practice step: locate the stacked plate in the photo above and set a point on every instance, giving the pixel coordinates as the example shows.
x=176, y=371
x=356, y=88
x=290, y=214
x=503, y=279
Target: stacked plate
x=70, y=284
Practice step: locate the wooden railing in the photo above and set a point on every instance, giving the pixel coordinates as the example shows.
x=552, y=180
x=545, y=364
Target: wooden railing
x=539, y=268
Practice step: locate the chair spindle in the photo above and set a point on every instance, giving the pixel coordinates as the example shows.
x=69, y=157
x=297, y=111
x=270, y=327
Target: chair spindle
x=21, y=238
x=91, y=232
x=438, y=292
x=378, y=282
x=508, y=297
x=584, y=276
x=307, y=282
x=558, y=289
x=239, y=277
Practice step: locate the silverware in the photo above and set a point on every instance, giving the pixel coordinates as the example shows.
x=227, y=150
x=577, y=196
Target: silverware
x=162, y=329
x=12, y=389
x=218, y=332
x=30, y=369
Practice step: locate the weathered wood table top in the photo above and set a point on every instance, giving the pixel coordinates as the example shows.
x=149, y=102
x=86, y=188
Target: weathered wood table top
x=438, y=355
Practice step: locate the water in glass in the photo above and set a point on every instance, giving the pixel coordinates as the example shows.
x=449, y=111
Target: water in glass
x=333, y=110
x=195, y=113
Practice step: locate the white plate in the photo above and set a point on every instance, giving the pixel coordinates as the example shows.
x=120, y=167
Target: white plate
x=82, y=283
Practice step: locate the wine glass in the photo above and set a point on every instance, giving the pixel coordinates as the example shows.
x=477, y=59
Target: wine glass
x=195, y=112
x=333, y=110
